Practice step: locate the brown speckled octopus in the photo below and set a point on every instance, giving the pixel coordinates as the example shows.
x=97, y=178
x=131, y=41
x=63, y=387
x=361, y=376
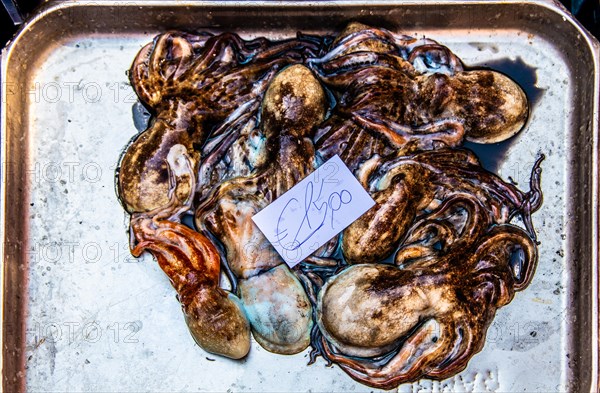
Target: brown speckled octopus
x=405, y=292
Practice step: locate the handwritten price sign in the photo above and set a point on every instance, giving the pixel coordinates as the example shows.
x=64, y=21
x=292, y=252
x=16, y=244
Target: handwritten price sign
x=313, y=211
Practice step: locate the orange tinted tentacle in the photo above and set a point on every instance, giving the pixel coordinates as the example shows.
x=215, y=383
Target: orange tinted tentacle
x=214, y=316
x=180, y=248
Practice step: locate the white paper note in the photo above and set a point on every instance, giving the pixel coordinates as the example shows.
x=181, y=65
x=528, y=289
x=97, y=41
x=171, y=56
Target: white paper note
x=313, y=211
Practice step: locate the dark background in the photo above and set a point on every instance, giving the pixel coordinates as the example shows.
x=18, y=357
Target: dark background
x=587, y=11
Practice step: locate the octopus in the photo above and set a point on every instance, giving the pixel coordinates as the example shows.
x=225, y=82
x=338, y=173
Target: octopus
x=275, y=301
x=409, y=289
x=393, y=91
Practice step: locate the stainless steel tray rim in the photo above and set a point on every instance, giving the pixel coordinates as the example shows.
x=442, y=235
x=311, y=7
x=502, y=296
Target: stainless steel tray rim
x=53, y=7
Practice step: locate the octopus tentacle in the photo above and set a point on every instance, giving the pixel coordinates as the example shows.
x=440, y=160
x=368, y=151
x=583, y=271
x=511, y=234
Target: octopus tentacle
x=500, y=245
x=302, y=46
x=436, y=238
x=442, y=132
x=214, y=155
x=533, y=199
x=410, y=363
x=353, y=62
x=352, y=39
x=215, y=50
x=178, y=248
x=215, y=317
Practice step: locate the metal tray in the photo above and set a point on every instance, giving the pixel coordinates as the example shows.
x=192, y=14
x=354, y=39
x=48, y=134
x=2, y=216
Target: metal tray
x=80, y=314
